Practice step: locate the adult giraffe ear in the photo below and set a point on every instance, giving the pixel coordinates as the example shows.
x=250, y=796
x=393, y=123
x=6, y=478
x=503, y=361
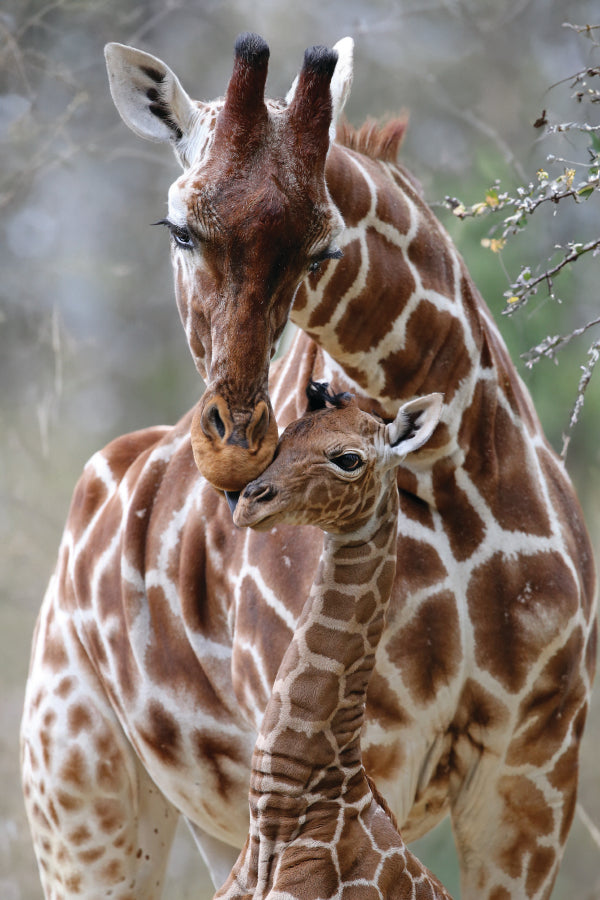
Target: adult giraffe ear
x=414, y=424
x=149, y=96
x=341, y=82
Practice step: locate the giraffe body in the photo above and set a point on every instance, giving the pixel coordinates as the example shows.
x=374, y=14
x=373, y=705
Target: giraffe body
x=164, y=626
x=318, y=827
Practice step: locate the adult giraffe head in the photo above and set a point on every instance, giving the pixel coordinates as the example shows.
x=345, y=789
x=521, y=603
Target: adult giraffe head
x=249, y=217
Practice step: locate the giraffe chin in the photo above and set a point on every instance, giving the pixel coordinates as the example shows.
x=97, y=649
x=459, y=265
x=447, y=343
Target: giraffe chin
x=230, y=467
x=244, y=518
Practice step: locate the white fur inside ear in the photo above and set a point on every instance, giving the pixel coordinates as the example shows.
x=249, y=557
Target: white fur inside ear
x=341, y=81
x=134, y=78
x=414, y=424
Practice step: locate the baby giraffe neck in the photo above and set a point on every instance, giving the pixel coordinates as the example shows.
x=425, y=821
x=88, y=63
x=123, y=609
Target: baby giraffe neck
x=307, y=755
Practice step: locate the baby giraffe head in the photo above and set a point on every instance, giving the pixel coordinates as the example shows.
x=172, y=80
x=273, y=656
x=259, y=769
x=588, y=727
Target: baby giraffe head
x=333, y=466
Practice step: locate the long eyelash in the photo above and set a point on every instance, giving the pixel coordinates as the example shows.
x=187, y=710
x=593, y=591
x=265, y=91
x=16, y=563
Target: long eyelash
x=178, y=232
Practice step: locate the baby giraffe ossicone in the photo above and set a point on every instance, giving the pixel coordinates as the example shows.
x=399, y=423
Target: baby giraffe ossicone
x=318, y=826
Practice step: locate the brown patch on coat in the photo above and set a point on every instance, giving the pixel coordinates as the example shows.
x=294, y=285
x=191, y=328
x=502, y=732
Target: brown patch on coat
x=419, y=564
x=521, y=614
x=219, y=756
x=525, y=819
x=434, y=356
x=109, y=814
x=499, y=463
x=462, y=524
x=74, y=770
x=364, y=325
x=433, y=261
x=549, y=709
x=428, y=648
x=79, y=718
x=162, y=733
x=577, y=538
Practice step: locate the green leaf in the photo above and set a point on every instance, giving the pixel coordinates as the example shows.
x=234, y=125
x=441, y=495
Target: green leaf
x=595, y=141
x=585, y=191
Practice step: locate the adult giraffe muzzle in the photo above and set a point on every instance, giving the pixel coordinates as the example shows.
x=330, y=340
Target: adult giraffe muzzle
x=249, y=217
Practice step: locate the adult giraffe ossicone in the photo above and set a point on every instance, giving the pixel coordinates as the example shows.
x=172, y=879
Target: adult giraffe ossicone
x=163, y=625
x=318, y=827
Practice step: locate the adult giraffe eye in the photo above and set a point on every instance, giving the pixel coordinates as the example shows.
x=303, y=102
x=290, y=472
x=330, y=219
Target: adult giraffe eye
x=179, y=233
x=331, y=253
x=182, y=237
x=349, y=462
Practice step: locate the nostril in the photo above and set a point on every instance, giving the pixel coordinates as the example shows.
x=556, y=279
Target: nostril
x=214, y=421
x=258, y=424
x=259, y=492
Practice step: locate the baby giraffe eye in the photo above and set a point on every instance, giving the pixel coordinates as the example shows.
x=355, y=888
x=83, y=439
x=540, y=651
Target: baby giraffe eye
x=349, y=462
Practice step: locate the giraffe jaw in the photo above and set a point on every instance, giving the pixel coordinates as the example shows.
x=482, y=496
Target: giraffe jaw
x=244, y=516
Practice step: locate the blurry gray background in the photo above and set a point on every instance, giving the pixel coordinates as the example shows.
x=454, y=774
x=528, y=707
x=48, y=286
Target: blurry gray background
x=90, y=341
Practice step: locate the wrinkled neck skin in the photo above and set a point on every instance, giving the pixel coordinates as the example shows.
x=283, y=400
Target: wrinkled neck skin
x=307, y=757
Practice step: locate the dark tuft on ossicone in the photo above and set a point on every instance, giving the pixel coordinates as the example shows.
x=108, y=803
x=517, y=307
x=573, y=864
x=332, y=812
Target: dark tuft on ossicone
x=319, y=397
x=252, y=49
x=320, y=60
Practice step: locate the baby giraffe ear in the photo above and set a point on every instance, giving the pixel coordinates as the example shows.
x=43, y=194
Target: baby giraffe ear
x=415, y=423
x=149, y=96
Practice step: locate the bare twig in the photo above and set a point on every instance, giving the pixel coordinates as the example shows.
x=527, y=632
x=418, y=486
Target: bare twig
x=550, y=346
x=588, y=370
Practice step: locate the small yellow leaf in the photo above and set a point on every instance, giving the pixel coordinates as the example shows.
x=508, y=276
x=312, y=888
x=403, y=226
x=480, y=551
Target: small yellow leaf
x=493, y=244
x=512, y=299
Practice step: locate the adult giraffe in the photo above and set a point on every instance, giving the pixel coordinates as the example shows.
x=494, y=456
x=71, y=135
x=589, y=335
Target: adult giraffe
x=163, y=626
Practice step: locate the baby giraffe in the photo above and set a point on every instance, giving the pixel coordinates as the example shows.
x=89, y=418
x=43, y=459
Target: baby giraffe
x=318, y=826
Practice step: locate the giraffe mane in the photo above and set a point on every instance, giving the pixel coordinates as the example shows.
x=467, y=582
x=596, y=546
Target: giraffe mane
x=379, y=140
x=319, y=396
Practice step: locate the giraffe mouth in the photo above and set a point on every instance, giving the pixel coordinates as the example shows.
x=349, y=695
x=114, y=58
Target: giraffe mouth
x=249, y=517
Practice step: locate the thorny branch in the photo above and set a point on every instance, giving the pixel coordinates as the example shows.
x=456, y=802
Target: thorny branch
x=525, y=286
x=587, y=372
x=551, y=345
x=517, y=207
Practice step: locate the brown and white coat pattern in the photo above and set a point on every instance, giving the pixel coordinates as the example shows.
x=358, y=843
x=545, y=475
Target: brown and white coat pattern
x=163, y=626
x=318, y=828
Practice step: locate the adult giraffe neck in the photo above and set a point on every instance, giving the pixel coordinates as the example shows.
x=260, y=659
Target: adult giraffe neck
x=399, y=313
x=308, y=748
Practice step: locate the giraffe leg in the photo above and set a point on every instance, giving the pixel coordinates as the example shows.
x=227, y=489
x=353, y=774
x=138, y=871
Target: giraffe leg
x=510, y=833
x=218, y=856
x=100, y=826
